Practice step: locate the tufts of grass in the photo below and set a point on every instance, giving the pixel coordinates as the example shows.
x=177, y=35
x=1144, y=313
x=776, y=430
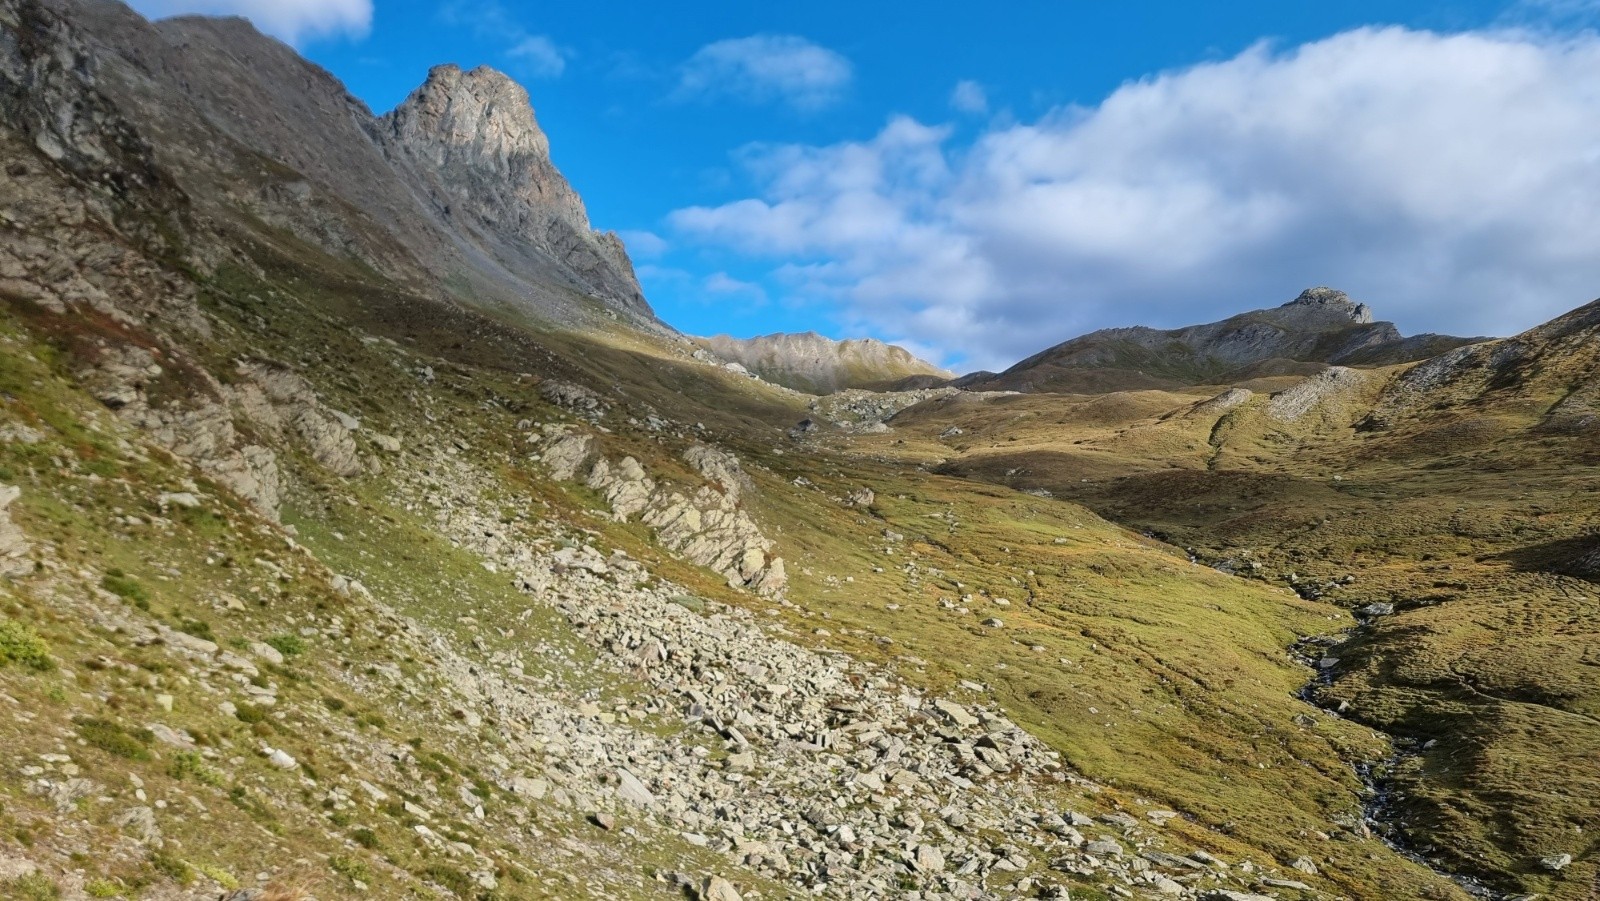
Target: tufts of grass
x=174, y=868
x=689, y=602
x=449, y=877
x=197, y=628
x=126, y=587
x=113, y=739
x=21, y=645
x=33, y=887
x=218, y=875
x=287, y=645
x=250, y=713
x=190, y=765
x=351, y=868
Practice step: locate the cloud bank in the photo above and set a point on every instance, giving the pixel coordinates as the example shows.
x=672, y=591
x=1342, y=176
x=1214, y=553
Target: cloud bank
x=765, y=68
x=1448, y=179
x=294, y=21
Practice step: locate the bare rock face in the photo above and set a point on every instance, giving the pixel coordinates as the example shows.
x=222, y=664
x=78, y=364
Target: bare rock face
x=13, y=543
x=1296, y=402
x=576, y=398
x=720, y=468
x=198, y=427
x=473, y=138
x=278, y=400
x=566, y=453
x=706, y=526
x=193, y=121
x=1224, y=402
x=812, y=363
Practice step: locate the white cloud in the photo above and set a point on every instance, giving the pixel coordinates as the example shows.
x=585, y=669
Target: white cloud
x=644, y=244
x=725, y=284
x=969, y=97
x=767, y=67
x=295, y=21
x=533, y=55
x=1446, y=179
x=540, y=56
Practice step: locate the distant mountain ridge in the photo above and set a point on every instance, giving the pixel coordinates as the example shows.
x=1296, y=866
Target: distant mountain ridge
x=809, y=362
x=1321, y=326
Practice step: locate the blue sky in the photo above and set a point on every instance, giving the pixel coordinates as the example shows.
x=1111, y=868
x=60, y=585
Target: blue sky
x=981, y=182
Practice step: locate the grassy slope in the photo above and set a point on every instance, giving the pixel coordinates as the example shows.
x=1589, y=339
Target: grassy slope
x=1460, y=518
x=202, y=571
x=1165, y=680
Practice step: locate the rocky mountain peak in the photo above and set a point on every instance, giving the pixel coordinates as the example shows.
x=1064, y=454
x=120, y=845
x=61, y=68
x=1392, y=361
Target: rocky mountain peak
x=472, y=137
x=1336, y=304
x=479, y=125
x=482, y=109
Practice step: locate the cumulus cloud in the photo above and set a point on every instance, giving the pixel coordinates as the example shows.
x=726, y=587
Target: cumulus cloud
x=539, y=55
x=534, y=55
x=969, y=97
x=724, y=284
x=765, y=68
x=294, y=21
x=1446, y=179
x=644, y=243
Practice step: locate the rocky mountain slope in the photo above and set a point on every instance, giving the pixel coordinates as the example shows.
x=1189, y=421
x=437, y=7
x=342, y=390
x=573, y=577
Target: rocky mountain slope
x=1321, y=326
x=816, y=365
x=361, y=537
x=453, y=192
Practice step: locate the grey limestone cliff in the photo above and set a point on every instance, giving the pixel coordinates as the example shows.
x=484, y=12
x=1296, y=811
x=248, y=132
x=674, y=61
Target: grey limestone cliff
x=812, y=363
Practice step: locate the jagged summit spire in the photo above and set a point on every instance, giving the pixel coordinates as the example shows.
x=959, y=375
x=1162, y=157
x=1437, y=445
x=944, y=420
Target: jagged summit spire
x=1332, y=300
x=473, y=137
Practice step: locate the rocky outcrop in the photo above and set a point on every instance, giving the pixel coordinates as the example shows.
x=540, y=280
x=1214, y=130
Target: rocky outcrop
x=811, y=363
x=868, y=411
x=198, y=423
x=281, y=403
x=1314, y=392
x=565, y=452
x=195, y=425
x=207, y=126
x=704, y=525
x=572, y=397
x=13, y=543
x=1224, y=402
